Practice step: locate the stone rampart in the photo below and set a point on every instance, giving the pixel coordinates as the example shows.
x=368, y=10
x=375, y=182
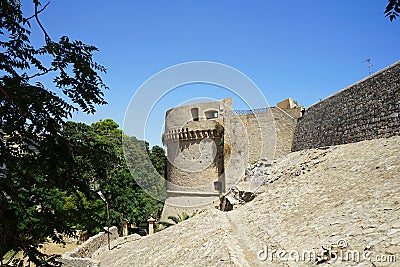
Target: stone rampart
x=83, y=255
x=368, y=109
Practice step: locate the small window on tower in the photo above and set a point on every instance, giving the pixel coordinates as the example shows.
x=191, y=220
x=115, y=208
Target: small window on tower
x=195, y=113
x=211, y=114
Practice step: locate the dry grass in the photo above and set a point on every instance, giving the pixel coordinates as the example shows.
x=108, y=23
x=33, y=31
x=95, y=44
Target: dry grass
x=59, y=249
x=48, y=248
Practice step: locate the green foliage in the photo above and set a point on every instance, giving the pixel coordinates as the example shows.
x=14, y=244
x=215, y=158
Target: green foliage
x=392, y=9
x=40, y=165
x=137, y=156
x=159, y=160
x=127, y=200
x=95, y=161
x=176, y=219
x=220, y=132
x=163, y=139
x=219, y=128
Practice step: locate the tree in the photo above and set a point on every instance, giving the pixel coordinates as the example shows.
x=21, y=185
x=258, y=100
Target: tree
x=128, y=201
x=93, y=156
x=392, y=9
x=145, y=176
x=105, y=169
x=158, y=159
x=38, y=163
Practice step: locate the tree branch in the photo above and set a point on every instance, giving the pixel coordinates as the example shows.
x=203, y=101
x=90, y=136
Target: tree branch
x=47, y=37
x=43, y=8
x=42, y=73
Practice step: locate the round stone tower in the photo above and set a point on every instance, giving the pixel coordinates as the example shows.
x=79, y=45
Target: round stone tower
x=195, y=151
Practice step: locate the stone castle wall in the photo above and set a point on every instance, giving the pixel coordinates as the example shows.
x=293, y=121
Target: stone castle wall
x=285, y=127
x=199, y=163
x=366, y=110
x=83, y=255
x=266, y=134
x=259, y=127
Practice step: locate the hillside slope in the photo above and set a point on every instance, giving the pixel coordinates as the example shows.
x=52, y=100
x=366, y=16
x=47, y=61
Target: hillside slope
x=348, y=194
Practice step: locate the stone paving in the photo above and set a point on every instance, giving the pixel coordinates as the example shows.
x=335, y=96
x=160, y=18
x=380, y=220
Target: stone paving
x=343, y=198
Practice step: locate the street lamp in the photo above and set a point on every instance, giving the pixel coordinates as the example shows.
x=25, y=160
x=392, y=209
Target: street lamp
x=108, y=217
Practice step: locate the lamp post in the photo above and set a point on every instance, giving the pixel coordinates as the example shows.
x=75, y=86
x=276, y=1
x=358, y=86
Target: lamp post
x=108, y=217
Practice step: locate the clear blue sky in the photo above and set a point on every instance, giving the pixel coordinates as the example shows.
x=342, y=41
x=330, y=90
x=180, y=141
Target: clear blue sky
x=305, y=49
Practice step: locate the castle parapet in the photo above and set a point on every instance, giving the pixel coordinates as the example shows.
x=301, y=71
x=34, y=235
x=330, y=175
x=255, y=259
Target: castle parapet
x=186, y=134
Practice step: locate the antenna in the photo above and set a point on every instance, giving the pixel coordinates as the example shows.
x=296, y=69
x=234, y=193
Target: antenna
x=369, y=65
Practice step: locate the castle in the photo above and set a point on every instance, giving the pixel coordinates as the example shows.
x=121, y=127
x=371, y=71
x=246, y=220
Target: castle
x=209, y=145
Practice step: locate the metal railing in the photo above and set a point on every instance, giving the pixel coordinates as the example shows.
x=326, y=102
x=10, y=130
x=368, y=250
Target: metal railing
x=246, y=112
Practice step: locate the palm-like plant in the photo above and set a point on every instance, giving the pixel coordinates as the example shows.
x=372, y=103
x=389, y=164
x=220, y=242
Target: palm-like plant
x=176, y=219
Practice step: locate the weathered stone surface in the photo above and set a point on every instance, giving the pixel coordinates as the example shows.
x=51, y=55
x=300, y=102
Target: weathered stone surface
x=83, y=255
x=94, y=243
x=349, y=192
x=366, y=110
